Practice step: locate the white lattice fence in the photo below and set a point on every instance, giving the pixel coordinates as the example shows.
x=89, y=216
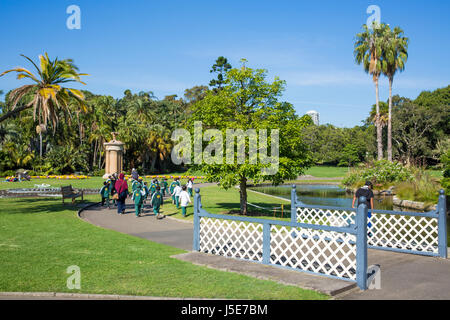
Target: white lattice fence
x=324, y=252
x=329, y=217
x=385, y=230
x=229, y=238
x=403, y=232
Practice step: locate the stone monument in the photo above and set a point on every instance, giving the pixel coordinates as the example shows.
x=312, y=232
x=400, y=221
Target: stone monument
x=113, y=156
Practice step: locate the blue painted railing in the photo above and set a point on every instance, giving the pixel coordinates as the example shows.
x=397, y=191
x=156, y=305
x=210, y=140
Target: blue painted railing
x=423, y=233
x=353, y=251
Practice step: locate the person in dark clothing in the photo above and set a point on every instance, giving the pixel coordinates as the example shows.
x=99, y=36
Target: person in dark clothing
x=112, y=189
x=122, y=189
x=365, y=191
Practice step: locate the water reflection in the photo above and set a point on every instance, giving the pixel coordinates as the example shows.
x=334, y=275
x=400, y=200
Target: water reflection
x=323, y=195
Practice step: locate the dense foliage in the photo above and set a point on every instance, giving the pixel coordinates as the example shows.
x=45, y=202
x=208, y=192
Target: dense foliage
x=420, y=133
x=247, y=101
x=380, y=173
x=76, y=144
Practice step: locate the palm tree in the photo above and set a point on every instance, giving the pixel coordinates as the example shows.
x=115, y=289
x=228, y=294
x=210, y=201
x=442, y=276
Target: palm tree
x=368, y=51
x=48, y=96
x=395, y=55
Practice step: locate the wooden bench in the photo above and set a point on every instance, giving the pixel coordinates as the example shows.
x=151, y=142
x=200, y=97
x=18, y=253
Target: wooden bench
x=69, y=192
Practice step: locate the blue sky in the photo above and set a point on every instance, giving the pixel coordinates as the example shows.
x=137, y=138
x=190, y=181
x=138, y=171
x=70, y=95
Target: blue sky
x=168, y=46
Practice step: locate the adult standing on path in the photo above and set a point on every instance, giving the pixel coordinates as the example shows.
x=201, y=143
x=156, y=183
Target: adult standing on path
x=122, y=190
x=367, y=192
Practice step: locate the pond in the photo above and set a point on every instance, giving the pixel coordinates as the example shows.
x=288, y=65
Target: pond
x=324, y=195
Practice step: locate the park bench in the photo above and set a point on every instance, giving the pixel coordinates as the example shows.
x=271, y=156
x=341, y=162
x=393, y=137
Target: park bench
x=69, y=192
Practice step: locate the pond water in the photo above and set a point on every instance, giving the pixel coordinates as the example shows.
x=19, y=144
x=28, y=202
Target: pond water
x=324, y=195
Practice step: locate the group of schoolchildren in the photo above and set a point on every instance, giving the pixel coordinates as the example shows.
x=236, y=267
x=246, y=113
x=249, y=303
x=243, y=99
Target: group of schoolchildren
x=156, y=192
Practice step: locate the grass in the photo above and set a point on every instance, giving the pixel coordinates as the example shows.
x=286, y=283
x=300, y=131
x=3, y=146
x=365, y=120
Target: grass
x=220, y=201
x=327, y=171
x=40, y=238
x=90, y=183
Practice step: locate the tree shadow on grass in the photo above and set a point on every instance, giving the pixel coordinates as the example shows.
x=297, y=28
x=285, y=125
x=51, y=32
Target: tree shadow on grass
x=267, y=211
x=40, y=205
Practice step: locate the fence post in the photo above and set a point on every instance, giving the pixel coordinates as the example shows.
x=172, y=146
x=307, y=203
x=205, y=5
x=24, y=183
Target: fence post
x=293, y=204
x=266, y=243
x=442, y=224
x=197, y=204
x=361, y=243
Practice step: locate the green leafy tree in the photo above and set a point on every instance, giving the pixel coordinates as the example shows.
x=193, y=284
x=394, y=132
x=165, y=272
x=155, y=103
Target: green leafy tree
x=221, y=67
x=349, y=155
x=413, y=126
x=248, y=101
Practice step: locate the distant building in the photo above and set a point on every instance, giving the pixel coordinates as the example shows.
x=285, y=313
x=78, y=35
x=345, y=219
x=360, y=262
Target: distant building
x=314, y=116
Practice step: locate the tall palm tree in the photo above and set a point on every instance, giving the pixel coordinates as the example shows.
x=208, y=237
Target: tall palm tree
x=368, y=51
x=395, y=55
x=48, y=96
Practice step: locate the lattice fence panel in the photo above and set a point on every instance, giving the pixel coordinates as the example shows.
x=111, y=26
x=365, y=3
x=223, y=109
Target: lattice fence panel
x=328, y=253
x=403, y=232
x=335, y=218
x=231, y=238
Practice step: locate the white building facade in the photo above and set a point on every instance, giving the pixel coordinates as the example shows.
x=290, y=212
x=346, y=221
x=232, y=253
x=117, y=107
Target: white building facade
x=314, y=116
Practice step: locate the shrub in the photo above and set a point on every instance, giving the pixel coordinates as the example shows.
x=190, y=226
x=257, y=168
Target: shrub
x=98, y=172
x=445, y=182
x=380, y=172
x=422, y=188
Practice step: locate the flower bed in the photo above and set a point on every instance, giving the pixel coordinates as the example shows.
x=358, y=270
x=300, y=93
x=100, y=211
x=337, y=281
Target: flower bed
x=61, y=177
x=169, y=177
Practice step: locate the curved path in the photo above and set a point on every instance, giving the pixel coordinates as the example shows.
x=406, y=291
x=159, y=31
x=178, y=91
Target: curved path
x=170, y=231
x=403, y=276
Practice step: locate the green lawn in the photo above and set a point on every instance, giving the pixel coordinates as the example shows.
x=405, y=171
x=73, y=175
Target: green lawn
x=327, y=171
x=220, y=201
x=40, y=238
x=90, y=183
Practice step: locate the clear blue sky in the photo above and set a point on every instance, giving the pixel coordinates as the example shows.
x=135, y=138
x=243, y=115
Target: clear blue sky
x=168, y=46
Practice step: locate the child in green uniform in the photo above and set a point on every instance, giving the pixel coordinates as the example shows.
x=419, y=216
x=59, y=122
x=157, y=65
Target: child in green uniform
x=171, y=188
x=157, y=202
x=138, y=198
x=164, y=187
x=153, y=188
x=134, y=185
x=104, y=192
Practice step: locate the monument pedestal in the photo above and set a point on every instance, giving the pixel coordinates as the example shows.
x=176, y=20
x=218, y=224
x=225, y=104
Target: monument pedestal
x=113, y=157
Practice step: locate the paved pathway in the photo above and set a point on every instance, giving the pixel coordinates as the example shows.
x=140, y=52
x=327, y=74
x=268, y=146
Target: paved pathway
x=168, y=230
x=403, y=276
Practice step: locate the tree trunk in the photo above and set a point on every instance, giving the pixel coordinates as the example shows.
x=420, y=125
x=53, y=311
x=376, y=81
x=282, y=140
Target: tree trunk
x=13, y=112
x=389, y=129
x=243, y=195
x=40, y=145
x=100, y=157
x=95, y=154
x=152, y=168
x=378, y=124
